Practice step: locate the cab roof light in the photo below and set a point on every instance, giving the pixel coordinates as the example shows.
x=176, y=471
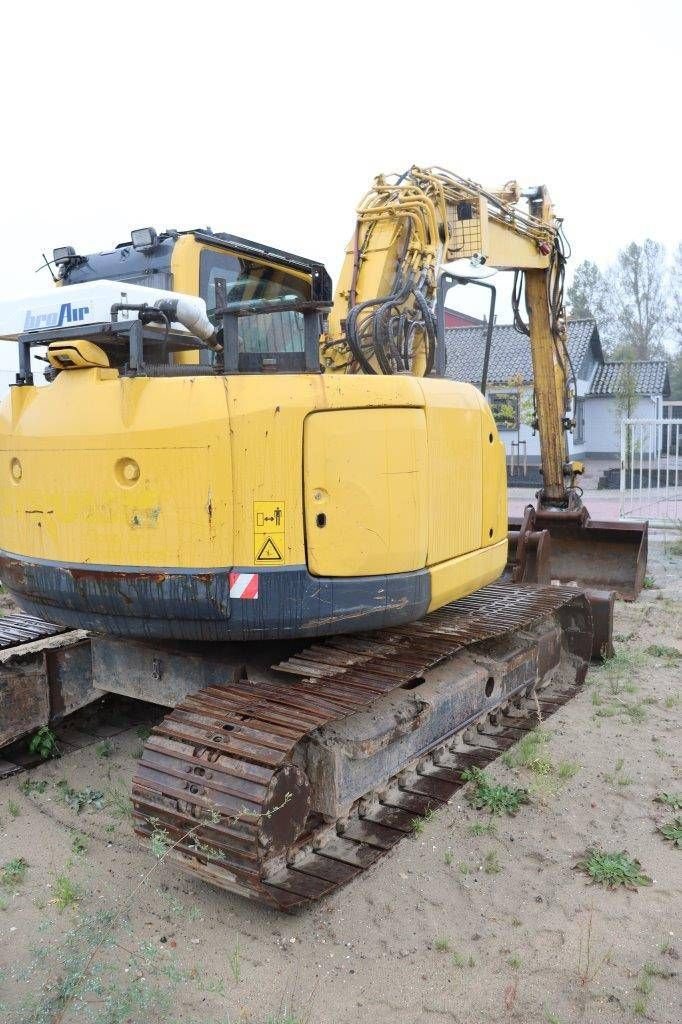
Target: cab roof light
x=144, y=238
x=63, y=254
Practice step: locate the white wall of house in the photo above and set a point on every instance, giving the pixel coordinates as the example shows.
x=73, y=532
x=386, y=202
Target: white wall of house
x=603, y=421
x=601, y=433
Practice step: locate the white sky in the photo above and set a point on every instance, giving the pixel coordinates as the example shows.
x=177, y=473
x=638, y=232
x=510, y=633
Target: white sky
x=270, y=119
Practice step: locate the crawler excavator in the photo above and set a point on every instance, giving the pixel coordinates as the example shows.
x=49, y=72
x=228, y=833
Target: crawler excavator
x=269, y=510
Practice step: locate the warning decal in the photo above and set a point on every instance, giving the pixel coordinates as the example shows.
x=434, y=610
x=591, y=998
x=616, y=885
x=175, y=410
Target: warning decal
x=268, y=532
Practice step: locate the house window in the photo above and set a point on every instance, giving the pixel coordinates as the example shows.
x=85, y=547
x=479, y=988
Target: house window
x=505, y=409
x=579, y=429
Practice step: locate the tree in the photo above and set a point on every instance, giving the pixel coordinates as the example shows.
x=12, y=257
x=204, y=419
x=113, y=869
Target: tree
x=638, y=299
x=675, y=322
x=588, y=297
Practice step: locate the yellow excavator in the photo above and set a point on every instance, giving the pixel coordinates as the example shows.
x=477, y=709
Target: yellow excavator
x=227, y=462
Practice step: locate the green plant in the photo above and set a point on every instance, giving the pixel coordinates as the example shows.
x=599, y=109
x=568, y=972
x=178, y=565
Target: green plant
x=4, y=902
x=419, y=824
x=673, y=800
x=32, y=787
x=491, y=863
x=448, y=857
x=79, y=845
x=639, y=1007
x=515, y=961
x=104, y=749
x=283, y=1017
x=236, y=962
x=13, y=873
x=441, y=943
x=495, y=798
x=567, y=769
x=661, y=651
x=119, y=803
x=483, y=828
x=463, y=868
x=44, y=743
x=649, y=583
x=78, y=799
x=65, y=892
x=13, y=808
x=143, y=732
x=613, y=869
x=672, y=830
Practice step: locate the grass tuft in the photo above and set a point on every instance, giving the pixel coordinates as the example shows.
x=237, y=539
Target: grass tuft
x=13, y=873
x=496, y=799
x=672, y=830
x=673, y=800
x=441, y=943
x=613, y=869
x=65, y=893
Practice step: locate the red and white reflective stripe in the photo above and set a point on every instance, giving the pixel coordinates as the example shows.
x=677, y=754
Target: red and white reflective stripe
x=244, y=585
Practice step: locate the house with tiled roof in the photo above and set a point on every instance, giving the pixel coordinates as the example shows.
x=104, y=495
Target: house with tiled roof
x=603, y=387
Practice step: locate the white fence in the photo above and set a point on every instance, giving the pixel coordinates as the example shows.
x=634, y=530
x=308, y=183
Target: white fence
x=651, y=471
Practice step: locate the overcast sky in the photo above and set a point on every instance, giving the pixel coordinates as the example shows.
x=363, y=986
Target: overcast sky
x=270, y=119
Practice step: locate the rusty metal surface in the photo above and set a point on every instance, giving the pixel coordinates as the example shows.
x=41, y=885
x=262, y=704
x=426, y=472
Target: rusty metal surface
x=593, y=553
x=223, y=776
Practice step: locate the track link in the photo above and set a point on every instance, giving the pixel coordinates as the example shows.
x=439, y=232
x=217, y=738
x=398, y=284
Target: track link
x=222, y=778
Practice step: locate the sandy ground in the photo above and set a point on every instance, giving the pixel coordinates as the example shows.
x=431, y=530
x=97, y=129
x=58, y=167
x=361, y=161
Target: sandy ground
x=451, y=926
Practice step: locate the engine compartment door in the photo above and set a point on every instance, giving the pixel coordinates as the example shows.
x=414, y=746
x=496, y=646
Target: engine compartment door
x=365, y=491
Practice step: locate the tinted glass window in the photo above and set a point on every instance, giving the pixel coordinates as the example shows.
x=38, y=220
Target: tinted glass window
x=247, y=281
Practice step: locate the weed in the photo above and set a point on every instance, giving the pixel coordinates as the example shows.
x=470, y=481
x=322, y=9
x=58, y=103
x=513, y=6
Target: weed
x=462, y=961
x=491, y=863
x=624, y=780
x=119, y=803
x=4, y=902
x=65, y=892
x=495, y=798
x=515, y=922
x=104, y=749
x=639, y=1005
x=78, y=799
x=236, y=962
x=672, y=830
x=551, y=1018
x=649, y=583
x=79, y=845
x=143, y=731
x=613, y=869
x=419, y=824
x=448, y=857
x=483, y=828
x=13, y=873
x=13, y=808
x=441, y=943
x=32, y=787
x=567, y=769
x=661, y=651
x=673, y=800
x=44, y=743
x=672, y=700
x=137, y=753
x=463, y=868
x=527, y=752
x=515, y=961
x=653, y=971
x=284, y=1017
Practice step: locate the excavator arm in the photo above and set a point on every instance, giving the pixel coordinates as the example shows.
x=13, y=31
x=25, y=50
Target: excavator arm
x=414, y=227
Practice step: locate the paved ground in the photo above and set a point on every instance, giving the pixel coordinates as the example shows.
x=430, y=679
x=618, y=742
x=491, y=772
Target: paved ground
x=476, y=920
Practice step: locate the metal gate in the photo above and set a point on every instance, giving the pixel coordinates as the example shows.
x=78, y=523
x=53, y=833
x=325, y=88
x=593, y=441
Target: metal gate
x=651, y=471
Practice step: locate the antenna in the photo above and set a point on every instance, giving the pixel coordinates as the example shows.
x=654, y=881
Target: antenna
x=46, y=262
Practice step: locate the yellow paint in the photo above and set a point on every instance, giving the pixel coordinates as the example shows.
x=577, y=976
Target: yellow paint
x=269, y=527
x=98, y=469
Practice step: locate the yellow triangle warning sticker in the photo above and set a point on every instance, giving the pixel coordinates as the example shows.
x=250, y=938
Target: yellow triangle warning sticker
x=269, y=552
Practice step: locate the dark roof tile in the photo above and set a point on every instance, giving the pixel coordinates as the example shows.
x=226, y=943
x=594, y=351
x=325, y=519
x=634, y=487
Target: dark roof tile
x=509, y=352
x=650, y=377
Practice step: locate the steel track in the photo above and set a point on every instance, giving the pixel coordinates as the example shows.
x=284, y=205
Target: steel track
x=221, y=782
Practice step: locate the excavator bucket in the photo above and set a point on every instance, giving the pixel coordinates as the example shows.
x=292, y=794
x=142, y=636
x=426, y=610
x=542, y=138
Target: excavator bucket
x=594, y=554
